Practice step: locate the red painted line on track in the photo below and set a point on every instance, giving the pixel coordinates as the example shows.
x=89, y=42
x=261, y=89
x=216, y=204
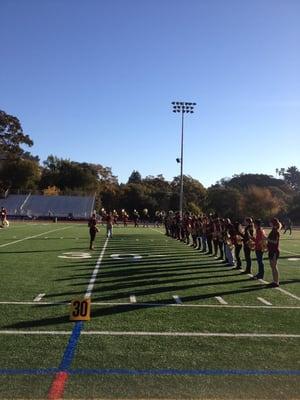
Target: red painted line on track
x=57, y=388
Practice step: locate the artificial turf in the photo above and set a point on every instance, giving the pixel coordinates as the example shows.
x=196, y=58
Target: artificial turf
x=152, y=267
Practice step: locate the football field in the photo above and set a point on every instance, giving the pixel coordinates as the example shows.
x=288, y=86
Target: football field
x=167, y=322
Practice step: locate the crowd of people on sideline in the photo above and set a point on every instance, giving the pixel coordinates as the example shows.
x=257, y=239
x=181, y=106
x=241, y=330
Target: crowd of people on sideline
x=225, y=240
x=210, y=234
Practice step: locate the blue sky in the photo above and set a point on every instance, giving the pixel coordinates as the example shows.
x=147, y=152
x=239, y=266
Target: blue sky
x=93, y=81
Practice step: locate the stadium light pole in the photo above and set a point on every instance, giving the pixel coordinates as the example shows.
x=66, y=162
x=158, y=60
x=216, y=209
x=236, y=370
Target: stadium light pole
x=182, y=107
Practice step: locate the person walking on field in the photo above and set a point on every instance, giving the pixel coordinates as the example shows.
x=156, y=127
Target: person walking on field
x=93, y=230
x=109, y=225
x=273, y=250
x=288, y=226
x=260, y=238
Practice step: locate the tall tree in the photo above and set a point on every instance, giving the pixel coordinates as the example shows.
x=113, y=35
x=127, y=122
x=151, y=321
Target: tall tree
x=135, y=177
x=12, y=136
x=291, y=175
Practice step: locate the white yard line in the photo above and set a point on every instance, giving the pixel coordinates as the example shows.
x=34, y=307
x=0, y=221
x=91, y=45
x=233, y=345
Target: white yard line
x=168, y=334
x=278, y=288
x=132, y=299
x=32, y=237
x=41, y=303
x=39, y=297
x=221, y=300
x=288, y=293
x=177, y=299
x=90, y=287
x=290, y=252
x=153, y=229
x=262, y=300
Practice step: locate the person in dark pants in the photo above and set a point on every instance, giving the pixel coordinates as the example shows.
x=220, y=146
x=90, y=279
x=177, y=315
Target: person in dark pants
x=248, y=237
x=209, y=232
x=274, y=252
x=93, y=230
x=238, y=244
x=260, y=239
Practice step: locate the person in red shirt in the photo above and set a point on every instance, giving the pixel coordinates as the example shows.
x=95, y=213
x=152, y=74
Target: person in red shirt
x=273, y=250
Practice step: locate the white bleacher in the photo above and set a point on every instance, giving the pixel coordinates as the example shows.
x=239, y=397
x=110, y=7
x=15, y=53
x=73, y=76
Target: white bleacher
x=46, y=206
x=13, y=203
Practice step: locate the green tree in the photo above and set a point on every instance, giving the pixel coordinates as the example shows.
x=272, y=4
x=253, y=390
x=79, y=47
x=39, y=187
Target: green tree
x=135, y=177
x=12, y=136
x=224, y=201
x=291, y=176
x=194, y=193
x=20, y=174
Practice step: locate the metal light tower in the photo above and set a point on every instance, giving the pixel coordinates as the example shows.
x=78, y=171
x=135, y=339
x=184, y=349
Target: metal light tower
x=182, y=107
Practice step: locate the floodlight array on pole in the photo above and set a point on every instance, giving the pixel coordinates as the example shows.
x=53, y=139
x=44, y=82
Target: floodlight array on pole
x=183, y=108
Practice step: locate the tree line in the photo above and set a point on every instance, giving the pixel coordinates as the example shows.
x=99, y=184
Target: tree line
x=259, y=195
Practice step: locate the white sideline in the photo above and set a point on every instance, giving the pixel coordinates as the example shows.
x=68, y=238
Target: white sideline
x=32, y=237
x=170, y=334
x=90, y=287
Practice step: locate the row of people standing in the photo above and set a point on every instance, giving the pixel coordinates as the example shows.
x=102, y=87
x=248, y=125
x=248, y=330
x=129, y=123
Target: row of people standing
x=224, y=240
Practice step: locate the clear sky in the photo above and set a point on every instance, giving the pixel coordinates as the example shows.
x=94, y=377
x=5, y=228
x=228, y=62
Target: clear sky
x=92, y=80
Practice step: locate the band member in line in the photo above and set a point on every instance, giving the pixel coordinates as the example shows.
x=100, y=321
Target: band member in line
x=229, y=242
x=124, y=218
x=93, y=230
x=136, y=217
x=116, y=217
x=238, y=243
x=260, y=239
x=273, y=250
x=247, y=242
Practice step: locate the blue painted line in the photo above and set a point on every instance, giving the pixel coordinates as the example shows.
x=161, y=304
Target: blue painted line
x=209, y=372
x=170, y=372
x=39, y=371
x=71, y=346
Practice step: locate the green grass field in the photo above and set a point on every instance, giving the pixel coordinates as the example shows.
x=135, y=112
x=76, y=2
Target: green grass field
x=158, y=329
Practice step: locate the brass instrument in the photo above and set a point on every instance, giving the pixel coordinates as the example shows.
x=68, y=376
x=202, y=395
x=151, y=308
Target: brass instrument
x=264, y=245
x=251, y=244
x=239, y=240
x=229, y=243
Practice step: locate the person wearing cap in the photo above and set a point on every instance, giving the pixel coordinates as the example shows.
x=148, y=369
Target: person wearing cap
x=273, y=250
